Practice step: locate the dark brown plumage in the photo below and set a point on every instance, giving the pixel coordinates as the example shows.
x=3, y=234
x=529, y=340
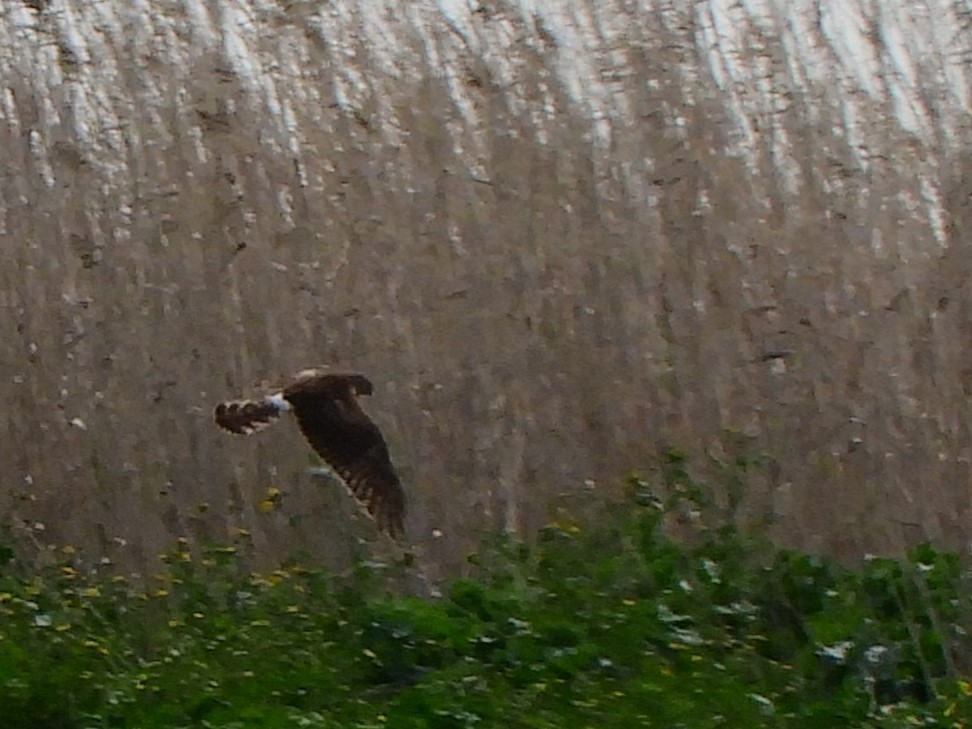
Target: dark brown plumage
x=339, y=431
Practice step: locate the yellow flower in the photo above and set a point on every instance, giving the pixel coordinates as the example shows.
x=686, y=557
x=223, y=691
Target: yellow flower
x=271, y=499
x=90, y=644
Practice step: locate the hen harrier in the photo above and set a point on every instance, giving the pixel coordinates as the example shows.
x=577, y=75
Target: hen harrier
x=339, y=431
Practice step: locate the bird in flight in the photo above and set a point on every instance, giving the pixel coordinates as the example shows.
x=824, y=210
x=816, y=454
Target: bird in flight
x=340, y=432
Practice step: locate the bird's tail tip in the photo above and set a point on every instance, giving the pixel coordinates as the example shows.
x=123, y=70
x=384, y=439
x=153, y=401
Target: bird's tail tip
x=245, y=417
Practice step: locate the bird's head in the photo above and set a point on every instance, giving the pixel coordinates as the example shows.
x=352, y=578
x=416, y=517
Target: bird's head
x=360, y=385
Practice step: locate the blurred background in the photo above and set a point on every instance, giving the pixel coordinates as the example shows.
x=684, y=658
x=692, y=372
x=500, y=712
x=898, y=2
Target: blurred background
x=560, y=237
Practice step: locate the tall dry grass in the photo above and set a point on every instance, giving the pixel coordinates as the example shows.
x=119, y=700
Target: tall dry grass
x=557, y=244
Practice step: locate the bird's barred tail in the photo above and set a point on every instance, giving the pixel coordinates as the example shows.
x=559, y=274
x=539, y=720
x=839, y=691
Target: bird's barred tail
x=245, y=417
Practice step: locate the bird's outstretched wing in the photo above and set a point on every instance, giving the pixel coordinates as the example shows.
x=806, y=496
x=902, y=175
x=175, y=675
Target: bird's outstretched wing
x=348, y=441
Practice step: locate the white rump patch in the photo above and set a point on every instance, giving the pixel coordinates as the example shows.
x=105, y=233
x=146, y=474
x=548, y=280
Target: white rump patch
x=279, y=402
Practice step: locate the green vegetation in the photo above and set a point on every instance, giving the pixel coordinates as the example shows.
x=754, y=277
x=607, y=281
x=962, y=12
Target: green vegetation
x=605, y=623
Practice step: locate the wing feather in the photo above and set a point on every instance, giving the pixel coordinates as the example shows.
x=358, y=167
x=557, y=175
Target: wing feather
x=343, y=435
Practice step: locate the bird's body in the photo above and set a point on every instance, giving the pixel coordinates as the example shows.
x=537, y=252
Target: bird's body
x=339, y=431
